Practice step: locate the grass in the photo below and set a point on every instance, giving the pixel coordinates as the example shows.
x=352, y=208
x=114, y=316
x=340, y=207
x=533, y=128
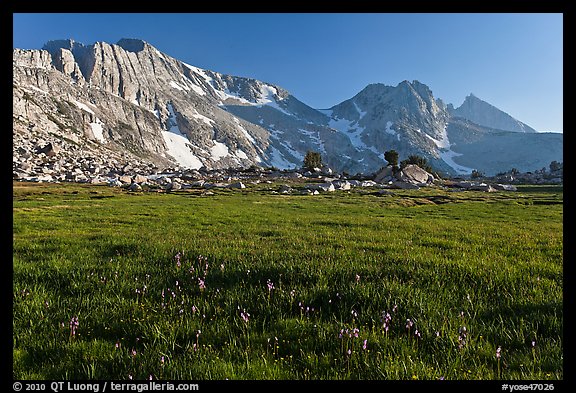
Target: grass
x=131, y=267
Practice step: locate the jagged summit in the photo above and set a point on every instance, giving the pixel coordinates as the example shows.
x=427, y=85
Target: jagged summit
x=485, y=114
x=54, y=45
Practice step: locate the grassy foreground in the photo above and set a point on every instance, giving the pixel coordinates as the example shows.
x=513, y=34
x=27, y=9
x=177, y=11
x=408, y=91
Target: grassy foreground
x=247, y=284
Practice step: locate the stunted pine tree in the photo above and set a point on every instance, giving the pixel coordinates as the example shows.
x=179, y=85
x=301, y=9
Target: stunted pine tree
x=312, y=160
x=392, y=157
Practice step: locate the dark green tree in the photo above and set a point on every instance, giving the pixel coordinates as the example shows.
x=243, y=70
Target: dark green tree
x=392, y=157
x=476, y=174
x=554, y=166
x=312, y=160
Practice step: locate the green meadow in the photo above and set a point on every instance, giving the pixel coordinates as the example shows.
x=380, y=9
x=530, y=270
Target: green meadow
x=248, y=284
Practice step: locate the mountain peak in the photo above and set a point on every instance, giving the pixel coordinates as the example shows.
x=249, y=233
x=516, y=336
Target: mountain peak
x=54, y=45
x=485, y=114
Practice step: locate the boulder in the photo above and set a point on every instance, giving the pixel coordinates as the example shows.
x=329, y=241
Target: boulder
x=50, y=149
x=198, y=183
x=125, y=179
x=385, y=175
x=415, y=175
x=505, y=187
x=404, y=185
x=482, y=187
x=463, y=184
x=174, y=186
x=326, y=187
x=97, y=180
x=239, y=185
x=140, y=179
x=135, y=187
x=115, y=183
x=285, y=189
x=342, y=185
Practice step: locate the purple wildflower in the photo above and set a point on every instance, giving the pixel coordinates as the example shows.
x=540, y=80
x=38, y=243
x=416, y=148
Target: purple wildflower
x=365, y=344
x=73, y=326
x=462, y=337
x=498, y=352
x=270, y=285
x=386, y=319
x=201, y=284
x=409, y=324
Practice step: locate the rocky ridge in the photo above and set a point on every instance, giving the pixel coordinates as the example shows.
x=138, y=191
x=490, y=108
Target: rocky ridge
x=130, y=103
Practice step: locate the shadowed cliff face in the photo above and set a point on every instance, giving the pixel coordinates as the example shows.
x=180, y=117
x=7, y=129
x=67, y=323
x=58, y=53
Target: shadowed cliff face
x=131, y=100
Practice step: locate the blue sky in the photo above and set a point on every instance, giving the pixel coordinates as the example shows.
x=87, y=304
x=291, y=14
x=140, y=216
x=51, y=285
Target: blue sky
x=513, y=61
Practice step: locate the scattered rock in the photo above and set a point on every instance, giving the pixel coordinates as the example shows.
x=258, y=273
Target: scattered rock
x=404, y=185
x=135, y=187
x=505, y=187
x=238, y=185
x=50, y=149
x=140, y=179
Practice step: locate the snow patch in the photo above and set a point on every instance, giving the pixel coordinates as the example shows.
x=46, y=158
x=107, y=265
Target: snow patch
x=218, y=151
x=277, y=159
x=240, y=154
x=200, y=72
x=197, y=89
x=244, y=131
x=178, y=86
x=443, y=142
x=179, y=148
x=35, y=88
x=362, y=114
x=447, y=154
x=203, y=118
x=353, y=132
x=83, y=107
x=178, y=144
x=448, y=157
x=97, y=130
x=389, y=129
x=315, y=138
